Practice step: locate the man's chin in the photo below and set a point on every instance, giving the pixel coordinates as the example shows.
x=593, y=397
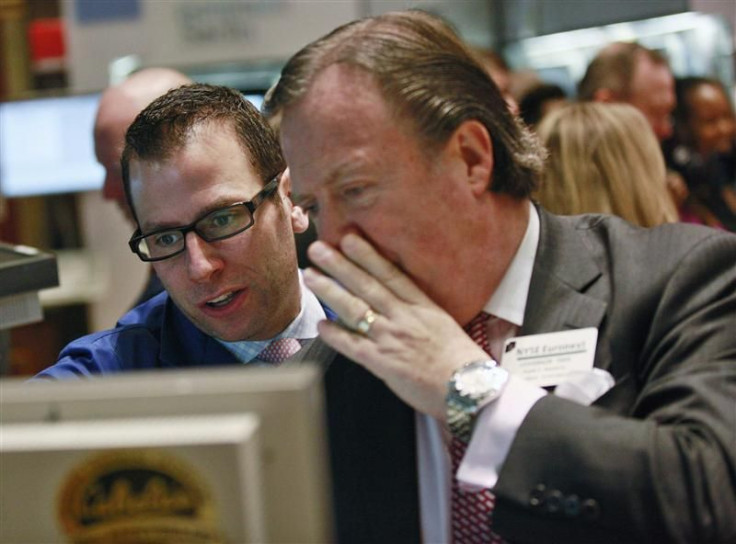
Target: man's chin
x=229, y=336
x=238, y=335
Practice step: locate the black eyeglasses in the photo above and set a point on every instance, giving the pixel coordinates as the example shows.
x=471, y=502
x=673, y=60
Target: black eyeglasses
x=216, y=225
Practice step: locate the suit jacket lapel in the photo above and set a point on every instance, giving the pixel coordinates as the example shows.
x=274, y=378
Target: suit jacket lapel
x=568, y=289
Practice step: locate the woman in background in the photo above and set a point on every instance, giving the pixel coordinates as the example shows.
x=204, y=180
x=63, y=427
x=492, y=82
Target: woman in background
x=604, y=158
x=703, y=149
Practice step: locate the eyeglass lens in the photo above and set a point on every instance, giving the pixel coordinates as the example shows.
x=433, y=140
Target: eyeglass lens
x=216, y=225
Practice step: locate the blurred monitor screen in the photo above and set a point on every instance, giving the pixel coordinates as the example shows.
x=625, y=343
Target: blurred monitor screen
x=254, y=98
x=47, y=146
x=58, y=417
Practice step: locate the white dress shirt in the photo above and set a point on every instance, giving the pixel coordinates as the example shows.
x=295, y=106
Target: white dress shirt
x=497, y=424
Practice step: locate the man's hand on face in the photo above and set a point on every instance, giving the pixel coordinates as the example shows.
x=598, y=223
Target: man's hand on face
x=407, y=340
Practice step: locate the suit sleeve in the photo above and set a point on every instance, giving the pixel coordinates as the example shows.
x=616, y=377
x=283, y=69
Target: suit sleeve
x=660, y=467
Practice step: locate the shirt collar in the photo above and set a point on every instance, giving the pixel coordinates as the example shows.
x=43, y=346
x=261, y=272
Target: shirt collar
x=303, y=327
x=509, y=299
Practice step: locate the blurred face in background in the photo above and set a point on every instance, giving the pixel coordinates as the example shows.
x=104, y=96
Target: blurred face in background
x=118, y=108
x=712, y=120
x=113, y=118
x=652, y=92
x=501, y=76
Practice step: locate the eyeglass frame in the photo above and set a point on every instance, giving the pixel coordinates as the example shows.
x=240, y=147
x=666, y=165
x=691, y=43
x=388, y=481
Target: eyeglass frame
x=251, y=205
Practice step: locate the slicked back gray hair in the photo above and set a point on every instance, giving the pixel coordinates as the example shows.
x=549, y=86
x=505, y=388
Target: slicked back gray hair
x=427, y=76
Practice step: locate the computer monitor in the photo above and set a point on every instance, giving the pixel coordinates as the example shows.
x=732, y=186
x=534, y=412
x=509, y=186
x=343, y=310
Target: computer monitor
x=175, y=479
x=47, y=146
x=288, y=402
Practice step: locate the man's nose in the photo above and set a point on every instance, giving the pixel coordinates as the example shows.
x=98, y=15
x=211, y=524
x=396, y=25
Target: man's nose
x=202, y=259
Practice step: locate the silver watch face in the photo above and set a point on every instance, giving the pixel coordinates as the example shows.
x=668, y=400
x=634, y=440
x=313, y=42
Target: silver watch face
x=478, y=381
x=472, y=387
x=473, y=381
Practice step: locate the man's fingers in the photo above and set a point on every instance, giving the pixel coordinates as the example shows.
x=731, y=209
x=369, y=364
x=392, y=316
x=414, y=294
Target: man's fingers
x=355, y=347
x=362, y=253
x=364, y=272
x=349, y=308
x=353, y=279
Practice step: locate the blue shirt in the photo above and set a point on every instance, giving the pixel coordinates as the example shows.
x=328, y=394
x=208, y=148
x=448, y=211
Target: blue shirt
x=155, y=334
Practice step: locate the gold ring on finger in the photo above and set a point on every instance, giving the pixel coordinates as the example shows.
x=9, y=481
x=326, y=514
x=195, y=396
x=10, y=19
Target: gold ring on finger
x=364, y=324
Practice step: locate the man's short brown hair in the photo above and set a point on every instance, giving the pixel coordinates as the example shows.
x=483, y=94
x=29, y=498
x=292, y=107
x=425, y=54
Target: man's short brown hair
x=164, y=126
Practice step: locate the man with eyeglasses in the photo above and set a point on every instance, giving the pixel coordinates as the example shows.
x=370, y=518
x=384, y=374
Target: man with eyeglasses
x=203, y=175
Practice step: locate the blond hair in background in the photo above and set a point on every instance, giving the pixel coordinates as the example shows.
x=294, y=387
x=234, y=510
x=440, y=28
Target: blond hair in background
x=604, y=158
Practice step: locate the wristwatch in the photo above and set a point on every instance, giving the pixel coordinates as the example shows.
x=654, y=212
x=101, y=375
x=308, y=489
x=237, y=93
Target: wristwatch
x=472, y=387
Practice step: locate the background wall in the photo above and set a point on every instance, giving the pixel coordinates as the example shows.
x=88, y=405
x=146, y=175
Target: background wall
x=183, y=34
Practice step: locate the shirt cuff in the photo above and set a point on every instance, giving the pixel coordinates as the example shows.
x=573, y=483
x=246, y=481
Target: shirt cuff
x=494, y=431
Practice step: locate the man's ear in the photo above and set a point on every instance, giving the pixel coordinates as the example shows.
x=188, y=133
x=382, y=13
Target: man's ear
x=475, y=149
x=285, y=183
x=299, y=219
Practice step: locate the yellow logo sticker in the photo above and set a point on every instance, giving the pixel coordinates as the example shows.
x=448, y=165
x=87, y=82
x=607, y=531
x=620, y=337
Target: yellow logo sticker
x=135, y=497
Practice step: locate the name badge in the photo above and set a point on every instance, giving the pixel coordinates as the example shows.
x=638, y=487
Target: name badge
x=550, y=358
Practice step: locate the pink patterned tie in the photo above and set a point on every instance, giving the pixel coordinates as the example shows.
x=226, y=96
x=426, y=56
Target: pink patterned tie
x=278, y=350
x=471, y=510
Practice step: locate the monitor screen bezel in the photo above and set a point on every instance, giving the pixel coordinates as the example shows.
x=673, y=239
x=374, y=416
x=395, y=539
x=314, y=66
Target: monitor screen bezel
x=289, y=400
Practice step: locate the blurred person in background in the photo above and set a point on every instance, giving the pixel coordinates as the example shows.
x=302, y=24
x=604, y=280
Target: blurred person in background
x=703, y=147
x=604, y=158
x=539, y=101
x=119, y=106
x=500, y=73
x=629, y=72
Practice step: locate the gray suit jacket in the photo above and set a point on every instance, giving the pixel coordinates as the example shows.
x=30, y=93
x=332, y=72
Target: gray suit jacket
x=654, y=460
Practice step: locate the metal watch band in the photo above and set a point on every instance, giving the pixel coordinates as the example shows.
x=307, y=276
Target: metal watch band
x=467, y=394
x=459, y=421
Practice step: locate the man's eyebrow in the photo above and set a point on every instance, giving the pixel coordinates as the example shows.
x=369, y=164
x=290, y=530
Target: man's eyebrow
x=220, y=203
x=333, y=178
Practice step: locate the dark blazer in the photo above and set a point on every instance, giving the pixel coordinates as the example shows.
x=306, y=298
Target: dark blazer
x=653, y=461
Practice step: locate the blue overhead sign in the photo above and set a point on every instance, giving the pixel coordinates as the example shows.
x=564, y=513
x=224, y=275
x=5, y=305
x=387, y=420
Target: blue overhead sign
x=97, y=11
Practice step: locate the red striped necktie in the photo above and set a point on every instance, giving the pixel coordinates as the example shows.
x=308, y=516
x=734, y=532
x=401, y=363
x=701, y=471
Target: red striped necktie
x=471, y=512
